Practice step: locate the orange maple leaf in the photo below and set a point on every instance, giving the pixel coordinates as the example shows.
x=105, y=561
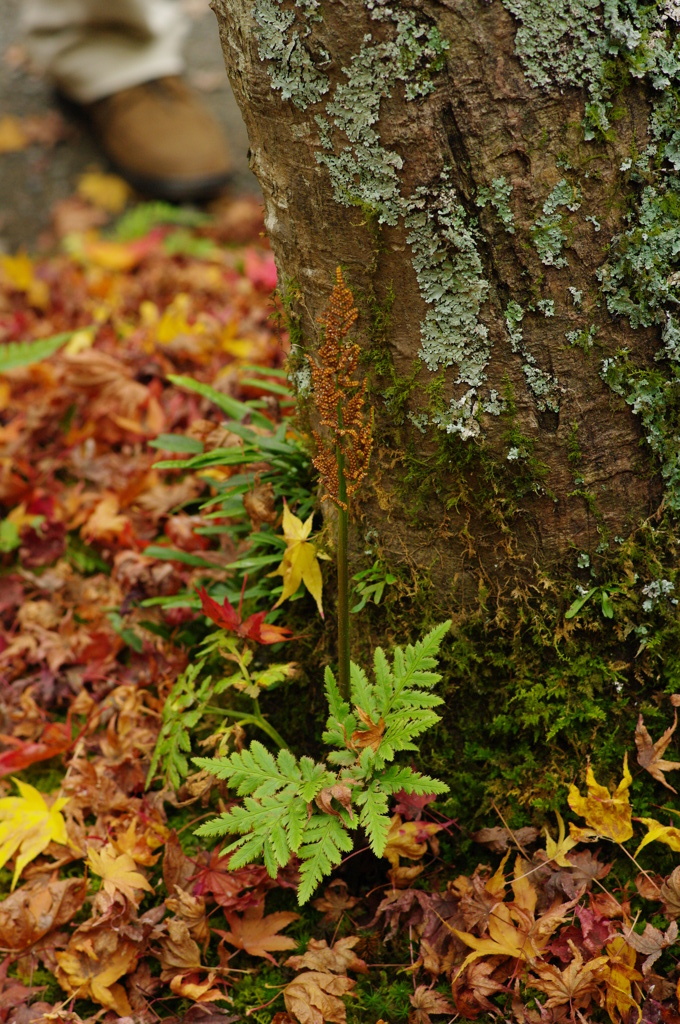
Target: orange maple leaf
x=257, y=934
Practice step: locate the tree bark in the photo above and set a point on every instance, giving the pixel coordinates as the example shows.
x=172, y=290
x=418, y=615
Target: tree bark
x=434, y=151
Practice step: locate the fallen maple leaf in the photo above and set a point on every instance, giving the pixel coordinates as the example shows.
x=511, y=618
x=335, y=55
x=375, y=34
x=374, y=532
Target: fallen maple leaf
x=300, y=563
x=407, y=839
x=498, y=839
x=619, y=975
x=191, y=909
x=557, y=851
x=652, y=943
x=37, y=907
x=92, y=963
x=658, y=833
x=340, y=792
x=56, y=739
x=227, y=887
x=670, y=894
x=472, y=989
x=650, y=754
x=314, y=997
x=410, y=805
x=105, y=524
x=118, y=872
x=426, y=1001
x=253, y=628
x=608, y=814
x=28, y=825
x=257, y=934
x=574, y=986
x=335, y=902
x=338, y=958
x=107, y=191
x=513, y=929
x=181, y=965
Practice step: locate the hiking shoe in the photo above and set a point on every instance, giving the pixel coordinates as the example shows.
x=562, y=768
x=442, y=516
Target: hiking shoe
x=160, y=137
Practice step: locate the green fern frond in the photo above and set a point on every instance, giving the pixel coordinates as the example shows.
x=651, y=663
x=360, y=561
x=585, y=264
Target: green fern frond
x=374, y=818
x=255, y=772
x=277, y=817
x=398, y=777
x=363, y=692
x=341, y=722
x=182, y=711
x=25, y=353
x=326, y=841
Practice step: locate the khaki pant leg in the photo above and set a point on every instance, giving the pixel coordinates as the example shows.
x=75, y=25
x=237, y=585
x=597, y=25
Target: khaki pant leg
x=93, y=48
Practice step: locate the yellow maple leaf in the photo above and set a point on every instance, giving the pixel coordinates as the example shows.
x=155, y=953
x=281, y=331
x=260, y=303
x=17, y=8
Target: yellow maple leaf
x=96, y=957
x=513, y=930
x=658, y=833
x=619, y=973
x=28, y=825
x=107, y=191
x=19, y=273
x=118, y=872
x=301, y=561
x=609, y=814
x=556, y=851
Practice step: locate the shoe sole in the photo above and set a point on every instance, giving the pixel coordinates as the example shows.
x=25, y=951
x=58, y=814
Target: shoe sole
x=177, y=191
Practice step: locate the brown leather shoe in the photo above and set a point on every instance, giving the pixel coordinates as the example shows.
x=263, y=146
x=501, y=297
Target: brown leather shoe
x=161, y=139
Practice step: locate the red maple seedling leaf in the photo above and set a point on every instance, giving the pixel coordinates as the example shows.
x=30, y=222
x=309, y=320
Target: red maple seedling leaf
x=253, y=628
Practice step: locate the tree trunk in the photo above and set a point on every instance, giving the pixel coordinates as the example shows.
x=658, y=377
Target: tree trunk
x=497, y=181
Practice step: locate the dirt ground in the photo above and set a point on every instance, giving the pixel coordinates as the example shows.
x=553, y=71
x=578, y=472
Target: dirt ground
x=33, y=179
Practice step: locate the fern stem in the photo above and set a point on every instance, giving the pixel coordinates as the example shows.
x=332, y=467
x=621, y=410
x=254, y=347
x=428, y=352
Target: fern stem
x=258, y=719
x=343, y=573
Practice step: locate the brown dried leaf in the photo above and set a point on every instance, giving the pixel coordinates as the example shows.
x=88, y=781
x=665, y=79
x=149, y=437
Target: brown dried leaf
x=36, y=908
x=338, y=958
x=179, y=952
x=314, y=997
x=574, y=986
x=472, y=989
x=339, y=792
x=96, y=957
x=190, y=909
x=498, y=839
x=426, y=1001
x=196, y=987
x=650, y=755
x=670, y=894
x=178, y=869
x=649, y=886
x=652, y=942
x=335, y=902
x=259, y=504
x=371, y=736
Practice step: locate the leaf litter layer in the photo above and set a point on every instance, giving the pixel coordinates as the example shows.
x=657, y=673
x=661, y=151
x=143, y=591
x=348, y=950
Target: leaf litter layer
x=111, y=562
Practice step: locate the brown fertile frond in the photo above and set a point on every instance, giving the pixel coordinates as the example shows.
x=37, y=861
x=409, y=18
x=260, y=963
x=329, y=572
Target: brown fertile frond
x=340, y=399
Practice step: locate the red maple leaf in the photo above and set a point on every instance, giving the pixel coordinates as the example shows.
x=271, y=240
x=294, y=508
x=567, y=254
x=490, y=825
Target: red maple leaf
x=228, y=887
x=253, y=628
